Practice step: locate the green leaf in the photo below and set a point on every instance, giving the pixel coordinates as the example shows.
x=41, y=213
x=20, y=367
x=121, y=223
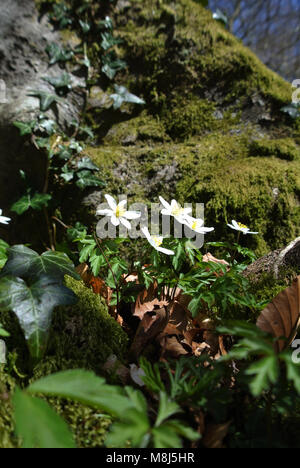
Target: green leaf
x=108, y=40
x=166, y=408
x=26, y=128
x=3, y=253
x=57, y=54
x=292, y=109
x=85, y=387
x=33, y=306
x=3, y=332
x=87, y=163
x=293, y=371
x=23, y=262
x=87, y=179
x=123, y=95
x=38, y=425
x=46, y=99
x=63, y=82
x=266, y=370
x=37, y=202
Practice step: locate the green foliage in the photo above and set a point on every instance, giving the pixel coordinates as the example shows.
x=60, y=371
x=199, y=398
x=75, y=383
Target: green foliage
x=31, y=286
x=129, y=406
x=123, y=95
x=58, y=54
x=37, y=202
x=3, y=333
x=3, y=253
x=38, y=425
x=46, y=99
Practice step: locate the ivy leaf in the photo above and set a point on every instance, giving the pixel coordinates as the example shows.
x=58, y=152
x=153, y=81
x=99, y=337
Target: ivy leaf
x=111, y=65
x=26, y=128
x=37, y=202
x=109, y=41
x=38, y=425
x=106, y=23
x=123, y=95
x=85, y=26
x=61, y=83
x=57, y=54
x=87, y=179
x=46, y=99
x=33, y=305
x=23, y=262
x=218, y=15
x=87, y=163
x=292, y=109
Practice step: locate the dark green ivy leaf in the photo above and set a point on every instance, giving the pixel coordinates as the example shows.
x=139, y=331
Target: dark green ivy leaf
x=24, y=262
x=37, y=202
x=33, y=306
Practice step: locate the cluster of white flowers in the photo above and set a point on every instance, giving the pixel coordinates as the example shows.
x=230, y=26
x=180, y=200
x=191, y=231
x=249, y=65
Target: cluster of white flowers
x=119, y=215
x=3, y=219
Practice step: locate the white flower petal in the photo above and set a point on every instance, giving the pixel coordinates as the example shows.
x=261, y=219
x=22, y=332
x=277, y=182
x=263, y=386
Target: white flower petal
x=132, y=215
x=146, y=233
x=105, y=212
x=111, y=202
x=4, y=220
x=166, y=212
x=232, y=227
x=235, y=224
x=165, y=251
x=114, y=220
x=125, y=223
x=122, y=203
x=164, y=203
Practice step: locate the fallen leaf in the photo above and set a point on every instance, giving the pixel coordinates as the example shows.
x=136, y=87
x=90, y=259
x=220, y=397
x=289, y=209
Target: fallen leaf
x=215, y=434
x=281, y=317
x=147, y=300
x=210, y=258
x=151, y=325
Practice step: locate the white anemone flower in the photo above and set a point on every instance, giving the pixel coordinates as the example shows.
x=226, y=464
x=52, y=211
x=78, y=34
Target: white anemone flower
x=175, y=210
x=118, y=213
x=197, y=225
x=240, y=227
x=156, y=242
x=3, y=219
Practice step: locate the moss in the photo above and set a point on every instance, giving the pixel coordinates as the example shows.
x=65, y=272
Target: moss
x=84, y=334
x=7, y=436
x=284, y=148
x=144, y=128
x=177, y=48
x=265, y=287
x=219, y=171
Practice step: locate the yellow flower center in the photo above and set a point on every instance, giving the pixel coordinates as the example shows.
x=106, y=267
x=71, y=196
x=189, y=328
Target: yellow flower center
x=120, y=211
x=242, y=226
x=194, y=225
x=157, y=241
x=177, y=210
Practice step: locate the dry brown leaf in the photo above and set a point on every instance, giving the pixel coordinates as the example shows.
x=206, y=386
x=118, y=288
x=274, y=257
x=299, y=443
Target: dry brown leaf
x=147, y=300
x=210, y=258
x=215, y=434
x=151, y=325
x=171, y=346
x=281, y=317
